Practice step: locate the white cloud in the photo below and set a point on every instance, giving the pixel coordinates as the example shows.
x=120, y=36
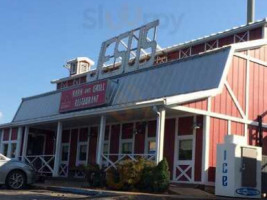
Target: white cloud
x=1, y=115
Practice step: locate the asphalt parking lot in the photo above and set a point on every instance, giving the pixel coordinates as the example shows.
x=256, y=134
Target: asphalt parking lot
x=33, y=194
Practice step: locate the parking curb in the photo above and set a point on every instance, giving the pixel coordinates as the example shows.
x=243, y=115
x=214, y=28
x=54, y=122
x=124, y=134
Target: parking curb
x=73, y=190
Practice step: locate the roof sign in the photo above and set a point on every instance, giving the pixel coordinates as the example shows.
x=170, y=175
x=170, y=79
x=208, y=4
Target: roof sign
x=127, y=52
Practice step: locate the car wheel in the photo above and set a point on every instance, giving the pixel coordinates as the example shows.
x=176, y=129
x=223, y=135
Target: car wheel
x=16, y=180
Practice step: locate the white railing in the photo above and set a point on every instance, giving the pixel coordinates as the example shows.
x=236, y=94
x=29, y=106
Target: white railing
x=111, y=160
x=42, y=164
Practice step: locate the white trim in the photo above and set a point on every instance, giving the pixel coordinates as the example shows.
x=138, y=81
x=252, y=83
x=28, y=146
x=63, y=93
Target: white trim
x=161, y=113
x=251, y=58
x=100, y=142
x=19, y=141
x=229, y=127
x=58, y=149
x=235, y=100
x=80, y=143
x=25, y=143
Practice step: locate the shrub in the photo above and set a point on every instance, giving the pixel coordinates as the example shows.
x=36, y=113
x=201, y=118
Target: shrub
x=94, y=175
x=127, y=175
x=161, y=177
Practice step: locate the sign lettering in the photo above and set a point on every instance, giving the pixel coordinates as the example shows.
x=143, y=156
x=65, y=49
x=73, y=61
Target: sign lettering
x=83, y=97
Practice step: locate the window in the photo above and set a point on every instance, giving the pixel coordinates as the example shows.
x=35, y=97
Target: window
x=126, y=148
x=13, y=150
x=5, y=151
x=65, y=152
x=73, y=68
x=82, y=152
x=106, y=148
x=151, y=146
x=185, y=149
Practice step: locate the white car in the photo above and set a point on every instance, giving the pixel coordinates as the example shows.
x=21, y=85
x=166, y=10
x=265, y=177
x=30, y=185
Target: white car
x=15, y=174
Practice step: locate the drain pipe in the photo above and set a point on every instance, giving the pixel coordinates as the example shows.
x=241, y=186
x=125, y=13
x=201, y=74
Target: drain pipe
x=250, y=11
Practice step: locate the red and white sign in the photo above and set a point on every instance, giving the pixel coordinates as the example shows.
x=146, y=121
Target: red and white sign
x=83, y=97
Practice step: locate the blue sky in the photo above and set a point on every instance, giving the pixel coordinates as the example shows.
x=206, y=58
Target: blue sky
x=37, y=37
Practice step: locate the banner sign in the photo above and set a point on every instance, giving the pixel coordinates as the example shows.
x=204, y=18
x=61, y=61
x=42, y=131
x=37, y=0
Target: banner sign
x=85, y=96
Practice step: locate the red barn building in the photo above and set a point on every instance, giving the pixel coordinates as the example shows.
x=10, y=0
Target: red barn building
x=179, y=108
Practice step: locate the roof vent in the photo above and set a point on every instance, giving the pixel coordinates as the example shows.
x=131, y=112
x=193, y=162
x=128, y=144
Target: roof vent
x=250, y=11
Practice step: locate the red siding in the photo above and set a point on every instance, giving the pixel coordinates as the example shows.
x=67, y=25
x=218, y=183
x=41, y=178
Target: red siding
x=169, y=138
x=237, y=80
x=6, y=135
x=14, y=134
x=49, y=143
x=152, y=128
x=107, y=133
x=65, y=136
x=139, y=144
x=92, y=145
x=185, y=126
x=115, y=140
x=197, y=49
x=73, y=147
x=83, y=137
x=226, y=40
x=218, y=129
x=224, y=104
x=258, y=91
x=127, y=131
x=198, y=150
x=255, y=34
x=237, y=128
x=201, y=104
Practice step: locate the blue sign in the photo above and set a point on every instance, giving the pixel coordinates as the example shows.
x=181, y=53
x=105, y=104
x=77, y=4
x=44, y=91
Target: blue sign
x=247, y=191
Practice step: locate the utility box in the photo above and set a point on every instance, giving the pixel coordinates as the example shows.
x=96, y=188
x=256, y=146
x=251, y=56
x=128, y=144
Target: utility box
x=238, y=168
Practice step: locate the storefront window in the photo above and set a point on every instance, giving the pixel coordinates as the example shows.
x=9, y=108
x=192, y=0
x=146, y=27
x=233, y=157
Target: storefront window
x=127, y=147
x=65, y=153
x=151, y=147
x=13, y=150
x=185, y=149
x=5, y=149
x=82, y=152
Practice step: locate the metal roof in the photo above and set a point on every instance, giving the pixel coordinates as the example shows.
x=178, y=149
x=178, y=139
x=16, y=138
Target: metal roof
x=197, y=73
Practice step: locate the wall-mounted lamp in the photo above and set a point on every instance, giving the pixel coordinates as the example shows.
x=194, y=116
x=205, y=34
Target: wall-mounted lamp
x=197, y=125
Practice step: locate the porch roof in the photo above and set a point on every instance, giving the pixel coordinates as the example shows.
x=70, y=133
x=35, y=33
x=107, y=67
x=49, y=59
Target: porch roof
x=196, y=74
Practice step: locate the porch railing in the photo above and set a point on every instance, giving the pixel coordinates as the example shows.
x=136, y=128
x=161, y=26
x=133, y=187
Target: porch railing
x=43, y=164
x=110, y=160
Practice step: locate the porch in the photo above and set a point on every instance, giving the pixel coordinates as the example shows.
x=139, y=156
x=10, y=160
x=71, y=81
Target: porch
x=58, y=149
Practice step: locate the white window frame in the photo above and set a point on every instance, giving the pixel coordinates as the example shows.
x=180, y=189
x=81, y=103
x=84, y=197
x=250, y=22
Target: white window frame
x=72, y=71
x=9, y=142
x=78, y=161
x=149, y=139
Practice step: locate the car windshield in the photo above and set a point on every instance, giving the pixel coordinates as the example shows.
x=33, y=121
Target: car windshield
x=2, y=157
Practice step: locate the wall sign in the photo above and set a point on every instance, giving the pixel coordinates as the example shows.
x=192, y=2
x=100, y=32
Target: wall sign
x=127, y=52
x=85, y=96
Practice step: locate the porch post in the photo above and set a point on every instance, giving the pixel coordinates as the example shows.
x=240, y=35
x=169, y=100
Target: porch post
x=25, y=143
x=101, y=140
x=18, y=148
x=160, y=134
x=58, y=149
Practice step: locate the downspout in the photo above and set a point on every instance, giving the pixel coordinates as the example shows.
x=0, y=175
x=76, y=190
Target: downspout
x=260, y=138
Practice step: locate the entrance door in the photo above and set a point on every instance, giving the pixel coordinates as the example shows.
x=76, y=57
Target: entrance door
x=184, y=150
x=184, y=169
